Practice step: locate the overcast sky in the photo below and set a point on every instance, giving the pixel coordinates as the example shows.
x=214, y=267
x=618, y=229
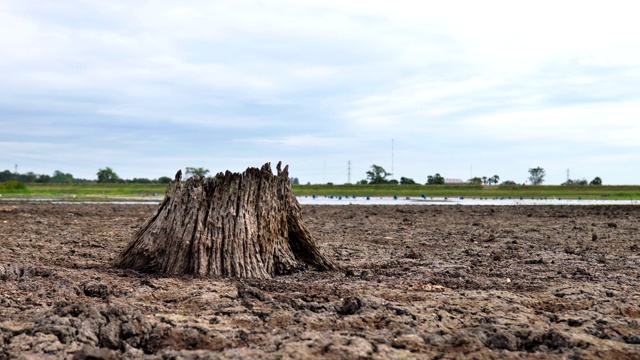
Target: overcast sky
x=465, y=88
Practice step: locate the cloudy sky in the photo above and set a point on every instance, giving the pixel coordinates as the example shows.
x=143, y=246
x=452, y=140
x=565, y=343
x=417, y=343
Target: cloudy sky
x=464, y=88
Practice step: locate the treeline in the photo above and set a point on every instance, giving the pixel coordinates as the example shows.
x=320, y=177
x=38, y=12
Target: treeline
x=378, y=175
x=58, y=177
x=108, y=176
x=104, y=176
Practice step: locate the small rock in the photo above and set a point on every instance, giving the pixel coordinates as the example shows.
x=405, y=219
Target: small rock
x=110, y=335
x=148, y=283
x=502, y=340
x=15, y=328
x=574, y=323
x=131, y=352
x=365, y=275
x=89, y=352
x=15, y=271
x=582, y=271
x=350, y=305
x=411, y=342
x=248, y=292
x=349, y=273
x=551, y=339
x=96, y=290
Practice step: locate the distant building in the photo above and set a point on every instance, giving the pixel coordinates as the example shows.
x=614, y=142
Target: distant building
x=453, y=181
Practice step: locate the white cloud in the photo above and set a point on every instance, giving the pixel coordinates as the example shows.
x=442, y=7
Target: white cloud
x=336, y=78
x=302, y=142
x=602, y=124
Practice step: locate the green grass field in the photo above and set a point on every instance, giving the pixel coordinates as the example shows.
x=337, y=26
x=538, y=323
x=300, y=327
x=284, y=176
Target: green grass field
x=475, y=191
x=91, y=191
x=86, y=191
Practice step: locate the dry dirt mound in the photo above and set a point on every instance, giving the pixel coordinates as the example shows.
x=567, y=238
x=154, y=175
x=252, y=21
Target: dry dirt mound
x=416, y=282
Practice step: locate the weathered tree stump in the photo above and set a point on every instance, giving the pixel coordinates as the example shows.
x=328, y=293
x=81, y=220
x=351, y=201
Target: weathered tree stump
x=232, y=225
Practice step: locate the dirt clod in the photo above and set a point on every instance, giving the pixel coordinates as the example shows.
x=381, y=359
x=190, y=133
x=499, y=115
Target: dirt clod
x=350, y=306
x=92, y=353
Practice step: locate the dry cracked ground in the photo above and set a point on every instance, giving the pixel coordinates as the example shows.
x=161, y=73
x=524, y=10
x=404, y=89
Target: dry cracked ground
x=416, y=282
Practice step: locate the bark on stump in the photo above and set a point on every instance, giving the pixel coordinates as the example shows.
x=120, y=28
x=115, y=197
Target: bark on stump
x=232, y=225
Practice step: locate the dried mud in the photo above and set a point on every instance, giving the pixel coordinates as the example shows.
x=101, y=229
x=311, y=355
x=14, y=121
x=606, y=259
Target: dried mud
x=416, y=282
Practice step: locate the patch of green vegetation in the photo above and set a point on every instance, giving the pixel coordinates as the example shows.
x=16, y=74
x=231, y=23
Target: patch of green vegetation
x=13, y=187
x=85, y=191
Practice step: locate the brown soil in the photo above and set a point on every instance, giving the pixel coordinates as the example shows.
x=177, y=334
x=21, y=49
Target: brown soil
x=416, y=282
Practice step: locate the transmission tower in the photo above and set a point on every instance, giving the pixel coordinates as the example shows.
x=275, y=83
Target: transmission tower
x=349, y=172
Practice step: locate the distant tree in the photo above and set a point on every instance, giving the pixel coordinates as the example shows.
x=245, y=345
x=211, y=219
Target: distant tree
x=295, y=181
x=393, y=181
x=407, y=181
x=536, y=175
x=107, y=175
x=436, y=179
x=43, y=178
x=475, y=181
x=570, y=182
x=164, y=180
x=80, y=181
x=6, y=176
x=377, y=175
x=140, y=181
x=191, y=171
x=484, y=180
x=29, y=177
x=362, y=182
x=508, y=183
x=61, y=178
x=494, y=179
x=596, y=181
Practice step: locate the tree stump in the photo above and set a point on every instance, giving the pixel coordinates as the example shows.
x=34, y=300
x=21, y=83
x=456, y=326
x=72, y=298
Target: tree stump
x=231, y=225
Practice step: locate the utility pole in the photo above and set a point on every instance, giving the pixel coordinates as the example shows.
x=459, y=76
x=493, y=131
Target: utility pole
x=349, y=172
x=568, y=177
x=16, y=169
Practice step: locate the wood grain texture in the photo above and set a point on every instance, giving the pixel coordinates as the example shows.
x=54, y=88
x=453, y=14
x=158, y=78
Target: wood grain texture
x=233, y=225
